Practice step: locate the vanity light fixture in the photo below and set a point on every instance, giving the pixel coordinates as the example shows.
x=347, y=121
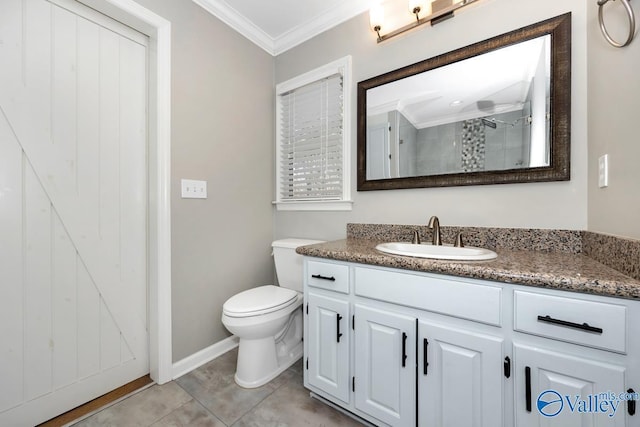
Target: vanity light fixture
x=440, y=10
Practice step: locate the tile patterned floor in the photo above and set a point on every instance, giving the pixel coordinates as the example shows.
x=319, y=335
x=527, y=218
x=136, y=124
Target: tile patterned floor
x=209, y=397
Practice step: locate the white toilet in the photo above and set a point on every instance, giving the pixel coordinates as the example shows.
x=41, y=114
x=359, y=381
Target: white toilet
x=268, y=319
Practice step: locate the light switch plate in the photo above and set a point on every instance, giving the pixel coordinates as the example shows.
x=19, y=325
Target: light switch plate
x=193, y=189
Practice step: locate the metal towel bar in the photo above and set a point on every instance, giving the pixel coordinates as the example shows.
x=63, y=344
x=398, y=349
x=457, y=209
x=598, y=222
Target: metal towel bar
x=632, y=23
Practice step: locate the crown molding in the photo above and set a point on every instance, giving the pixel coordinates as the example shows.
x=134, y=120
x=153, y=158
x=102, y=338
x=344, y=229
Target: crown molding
x=297, y=35
x=319, y=24
x=238, y=22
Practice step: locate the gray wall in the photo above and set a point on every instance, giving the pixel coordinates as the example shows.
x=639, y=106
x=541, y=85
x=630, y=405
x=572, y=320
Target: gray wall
x=222, y=127
x=614, y=108
x=544, y=205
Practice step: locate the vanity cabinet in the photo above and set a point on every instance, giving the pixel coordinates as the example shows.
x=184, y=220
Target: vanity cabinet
x=377, y=367
x=404, y=348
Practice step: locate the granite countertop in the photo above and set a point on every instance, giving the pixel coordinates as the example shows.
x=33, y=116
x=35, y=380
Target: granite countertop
x=574, y=272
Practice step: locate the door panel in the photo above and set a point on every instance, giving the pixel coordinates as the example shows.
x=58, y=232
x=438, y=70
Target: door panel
x=73, y=207
x=37, y=291
x=11, y=269
x=568, y=377
x=329, y=359
x=463, y=383
x=385, y=383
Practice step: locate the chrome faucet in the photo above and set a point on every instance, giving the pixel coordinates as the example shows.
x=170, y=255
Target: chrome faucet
x=434, y=224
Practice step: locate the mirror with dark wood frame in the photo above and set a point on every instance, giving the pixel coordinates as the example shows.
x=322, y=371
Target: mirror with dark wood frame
x=495, y=112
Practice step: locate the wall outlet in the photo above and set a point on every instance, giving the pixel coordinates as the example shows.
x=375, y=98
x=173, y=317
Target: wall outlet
x=603, y=171
x=192, y=189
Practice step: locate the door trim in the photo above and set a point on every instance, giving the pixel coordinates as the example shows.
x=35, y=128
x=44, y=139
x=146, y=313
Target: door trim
x=158, y=30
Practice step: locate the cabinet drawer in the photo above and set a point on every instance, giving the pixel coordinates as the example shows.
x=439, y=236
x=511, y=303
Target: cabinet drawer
x=579, y=321
x=329, y=276
x=457, y=298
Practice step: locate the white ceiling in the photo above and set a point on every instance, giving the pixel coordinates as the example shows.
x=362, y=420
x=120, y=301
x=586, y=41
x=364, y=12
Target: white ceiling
x=279, y=25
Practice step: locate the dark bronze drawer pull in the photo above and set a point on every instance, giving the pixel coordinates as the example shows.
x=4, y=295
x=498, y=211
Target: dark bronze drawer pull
x=582, y=326
x=319, y=276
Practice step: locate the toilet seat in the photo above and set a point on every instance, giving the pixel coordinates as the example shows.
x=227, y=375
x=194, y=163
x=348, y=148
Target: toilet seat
x=257, y=301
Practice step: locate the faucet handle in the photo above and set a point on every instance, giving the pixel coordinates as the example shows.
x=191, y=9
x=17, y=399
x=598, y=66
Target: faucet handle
x=459, y=243
x=416, y=238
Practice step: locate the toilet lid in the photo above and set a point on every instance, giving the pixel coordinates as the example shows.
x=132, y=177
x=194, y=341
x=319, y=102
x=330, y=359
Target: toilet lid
x=260, y=300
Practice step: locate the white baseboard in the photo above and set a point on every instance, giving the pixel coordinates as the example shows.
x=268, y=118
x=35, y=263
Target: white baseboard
x=203, y=356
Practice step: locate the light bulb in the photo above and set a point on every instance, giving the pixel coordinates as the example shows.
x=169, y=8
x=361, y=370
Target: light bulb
x=376, y=17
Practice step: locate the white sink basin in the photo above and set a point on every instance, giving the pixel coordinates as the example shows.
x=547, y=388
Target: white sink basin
x=467, y=253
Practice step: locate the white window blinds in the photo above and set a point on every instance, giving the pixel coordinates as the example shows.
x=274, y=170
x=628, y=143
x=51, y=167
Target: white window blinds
x=311, y=141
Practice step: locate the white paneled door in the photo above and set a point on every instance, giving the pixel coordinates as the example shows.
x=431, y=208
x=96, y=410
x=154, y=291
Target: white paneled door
x=73, y=207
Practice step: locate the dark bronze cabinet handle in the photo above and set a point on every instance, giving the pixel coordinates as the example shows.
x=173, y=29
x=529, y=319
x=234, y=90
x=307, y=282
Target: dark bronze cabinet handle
x=338, y=333
x=582, y=326
x=404, y=349
x=507, y=367
x=527, y=387
x=631, y=403
x=425, y=363
x=320, y=276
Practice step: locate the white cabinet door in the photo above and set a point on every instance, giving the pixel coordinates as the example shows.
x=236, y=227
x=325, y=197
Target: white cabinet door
x=385, y=365
x=556, y=389
x=328, y=345
x=460, y=377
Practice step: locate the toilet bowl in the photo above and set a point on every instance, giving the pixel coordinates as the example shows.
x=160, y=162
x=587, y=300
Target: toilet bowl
x=268, y=319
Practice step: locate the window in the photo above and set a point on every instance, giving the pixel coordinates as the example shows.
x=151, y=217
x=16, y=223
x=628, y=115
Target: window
x=312, y=148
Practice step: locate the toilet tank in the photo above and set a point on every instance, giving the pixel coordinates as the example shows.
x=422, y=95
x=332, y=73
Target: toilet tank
x=289, y=263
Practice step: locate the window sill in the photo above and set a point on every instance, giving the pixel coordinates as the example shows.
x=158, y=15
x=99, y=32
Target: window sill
x=313, y=205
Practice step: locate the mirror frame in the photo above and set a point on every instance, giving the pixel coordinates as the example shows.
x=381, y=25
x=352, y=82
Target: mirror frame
x=560, y=105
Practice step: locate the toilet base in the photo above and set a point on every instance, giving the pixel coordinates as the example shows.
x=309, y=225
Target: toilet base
x=252, y=373
x=261, y=360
